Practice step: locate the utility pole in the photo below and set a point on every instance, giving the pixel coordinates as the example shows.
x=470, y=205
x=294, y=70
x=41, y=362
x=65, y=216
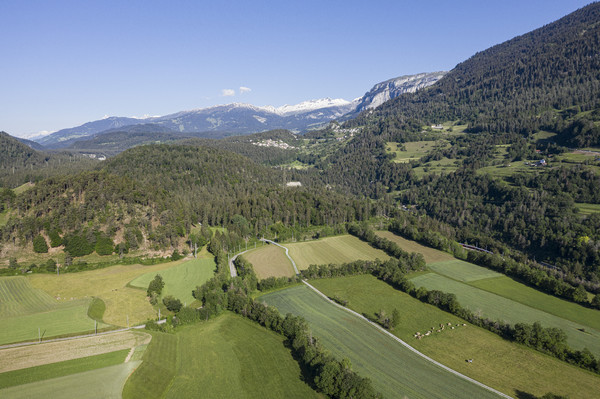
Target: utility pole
x=39, y=335
x=158, y=313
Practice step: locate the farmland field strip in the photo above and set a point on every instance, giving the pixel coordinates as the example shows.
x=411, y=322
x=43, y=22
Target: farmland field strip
x=497, y=362
x=60, y=369
x=18, y=297
x=394, y=370
x=508, y=288
x=497, y=307
x=462, y=271
x=377, y=326
x=106, y=382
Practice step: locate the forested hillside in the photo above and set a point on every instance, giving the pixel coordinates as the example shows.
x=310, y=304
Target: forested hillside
x=546, y=79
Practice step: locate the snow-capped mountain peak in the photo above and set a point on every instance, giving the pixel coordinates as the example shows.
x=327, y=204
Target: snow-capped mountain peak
x=311, y=105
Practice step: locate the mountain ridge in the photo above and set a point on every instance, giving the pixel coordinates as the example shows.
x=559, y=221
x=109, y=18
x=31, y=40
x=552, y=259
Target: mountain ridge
x=242, y=118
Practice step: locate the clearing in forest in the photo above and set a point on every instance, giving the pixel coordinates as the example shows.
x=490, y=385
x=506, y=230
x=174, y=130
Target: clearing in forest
x=270, y=261
x=226, y=357
x=508, y=367
x=394, y=369
x=182, y=279
x=338, y=249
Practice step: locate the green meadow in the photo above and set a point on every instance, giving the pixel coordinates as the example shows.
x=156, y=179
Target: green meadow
x=497, y=307
x=182, y=279
x=395, y=370
x=508, y=367
x=227, y=357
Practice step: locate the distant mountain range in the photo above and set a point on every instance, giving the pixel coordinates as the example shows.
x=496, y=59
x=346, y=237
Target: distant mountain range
x=235, y=119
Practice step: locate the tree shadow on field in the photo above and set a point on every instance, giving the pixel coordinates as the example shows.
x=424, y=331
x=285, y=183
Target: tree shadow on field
x=524, y=395
x=306, y=374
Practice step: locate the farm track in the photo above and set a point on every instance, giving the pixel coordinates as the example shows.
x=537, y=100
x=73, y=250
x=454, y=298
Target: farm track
x=381, y=329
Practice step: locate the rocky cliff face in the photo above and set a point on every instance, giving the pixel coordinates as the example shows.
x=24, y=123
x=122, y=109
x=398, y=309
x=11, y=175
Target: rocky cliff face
x=392, y=88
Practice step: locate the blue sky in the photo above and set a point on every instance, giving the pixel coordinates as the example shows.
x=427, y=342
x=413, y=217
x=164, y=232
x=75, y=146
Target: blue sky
x=64, y=63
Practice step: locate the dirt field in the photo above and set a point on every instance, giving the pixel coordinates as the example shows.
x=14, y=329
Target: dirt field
x=52, y=352
x=431, y=255
x=270, y=261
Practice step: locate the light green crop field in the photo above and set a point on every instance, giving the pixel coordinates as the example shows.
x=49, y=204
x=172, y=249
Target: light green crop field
x=414, y=149
x=444, y=165
x=60, y=369
x=339, y=249
x=123, y=303
x=106, y=382
x=463, y=271
x=227, y=357
x=23, y=187
x=270, y=261
x=431, y=255
x=182, y=279
x=497, y=307
x=506, y=366
x=508, y=288
x=587, y=209
x=395, y=370
x=65, y=318
x=18, y=297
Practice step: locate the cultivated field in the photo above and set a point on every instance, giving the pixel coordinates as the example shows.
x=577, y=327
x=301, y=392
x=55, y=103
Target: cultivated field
x=510, y=368
x=270, y=261
x=18, y=297
x=431, y=255
x=394, y=370
x=60, y=369
x=463, y=271
x=63, y=318
x=508, y=288
x=585, y=209
x=37, y=355
x=228, y=357
x=106, y=382
x=182, y=279
x=339, y=249
x=497, y=307
x=108, y=284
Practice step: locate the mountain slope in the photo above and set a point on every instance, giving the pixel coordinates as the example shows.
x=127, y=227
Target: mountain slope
x=535, y=81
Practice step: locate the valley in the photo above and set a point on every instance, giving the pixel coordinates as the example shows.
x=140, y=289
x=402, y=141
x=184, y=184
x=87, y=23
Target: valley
x=436, y=237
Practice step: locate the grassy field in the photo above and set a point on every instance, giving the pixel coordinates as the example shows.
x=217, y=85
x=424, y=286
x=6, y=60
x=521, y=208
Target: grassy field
x=108, y=284
x=587, y=209
x=508, y=288
x=431, y=255
x=270, y=261
x=505, y=366
x=414, y=149
x=442, y=166
x=23, y=187
x=60, y=369
x=497, y=307
x=106, y=382
x=65, y=318
x=339, y=249
x=394, y=370
x=228, y=357
x=18, y=297
x=463, y=271
x=182, y=279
